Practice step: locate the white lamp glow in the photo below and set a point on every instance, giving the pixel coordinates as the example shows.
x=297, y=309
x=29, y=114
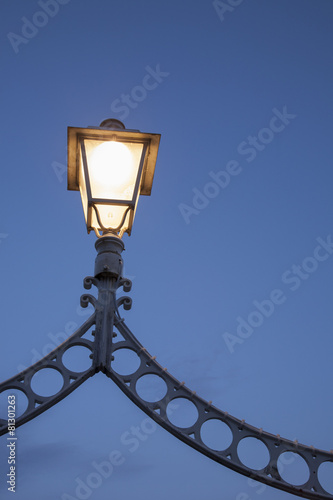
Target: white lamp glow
x=112, y=164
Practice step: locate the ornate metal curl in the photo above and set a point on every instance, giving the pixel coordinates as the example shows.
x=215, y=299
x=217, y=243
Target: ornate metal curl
x=105, y=307
x=108, y=322
x=113, y=230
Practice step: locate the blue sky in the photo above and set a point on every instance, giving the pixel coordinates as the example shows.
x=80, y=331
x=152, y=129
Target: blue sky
x=242, y=96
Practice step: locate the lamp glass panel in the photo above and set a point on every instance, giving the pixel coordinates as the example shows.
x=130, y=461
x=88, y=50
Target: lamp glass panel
x=113, y=168
x=83, y=188
x=110, y=216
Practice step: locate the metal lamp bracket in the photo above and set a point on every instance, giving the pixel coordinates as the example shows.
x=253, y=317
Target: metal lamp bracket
x=108, y=322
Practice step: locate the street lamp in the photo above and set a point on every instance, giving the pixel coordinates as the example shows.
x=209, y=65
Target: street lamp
x=112, y=166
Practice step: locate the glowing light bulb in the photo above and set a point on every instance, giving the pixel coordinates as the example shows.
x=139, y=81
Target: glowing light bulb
x=112, y=164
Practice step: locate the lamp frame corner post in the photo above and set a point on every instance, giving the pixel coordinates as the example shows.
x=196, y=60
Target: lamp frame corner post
x=105, y=322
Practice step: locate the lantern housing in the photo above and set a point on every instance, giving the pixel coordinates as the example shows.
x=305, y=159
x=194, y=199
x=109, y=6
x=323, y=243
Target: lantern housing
x=111, y=166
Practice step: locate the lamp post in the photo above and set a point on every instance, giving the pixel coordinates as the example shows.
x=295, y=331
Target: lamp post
x=112, y=166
